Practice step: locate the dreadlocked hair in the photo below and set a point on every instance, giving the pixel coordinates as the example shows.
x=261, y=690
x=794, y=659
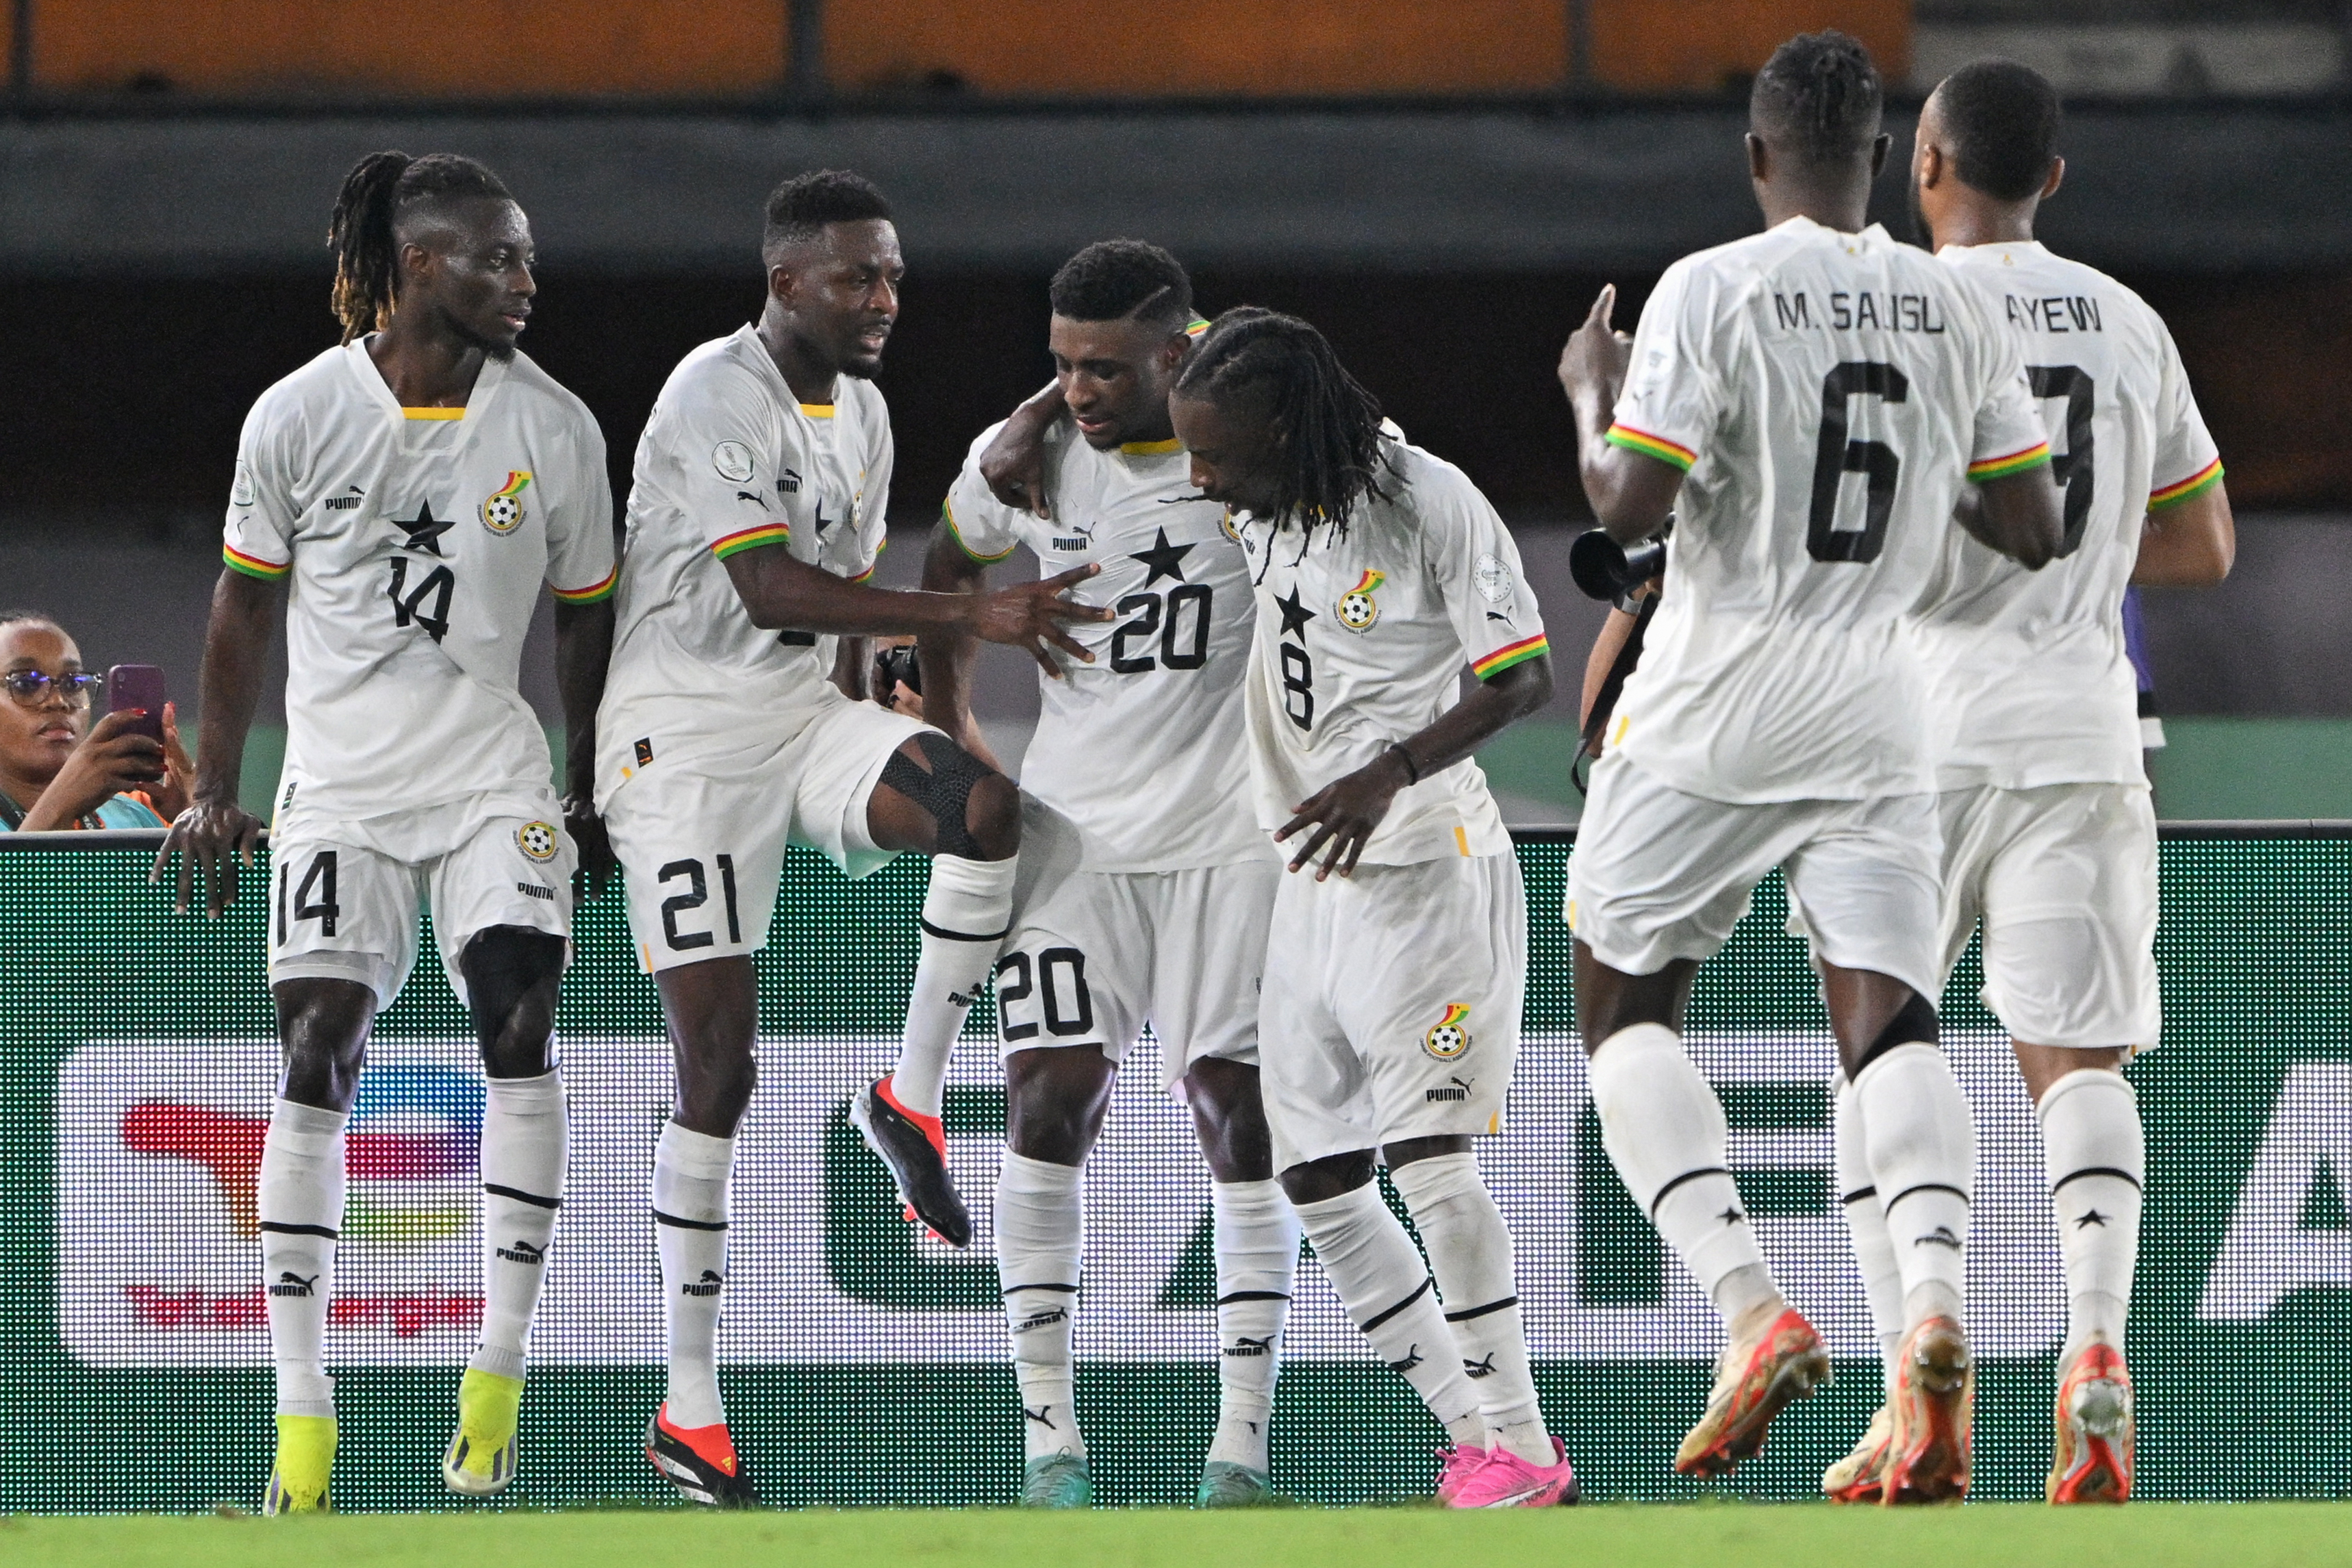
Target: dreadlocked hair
x=1820, y=95
x=361, y=233
x=1331, y=424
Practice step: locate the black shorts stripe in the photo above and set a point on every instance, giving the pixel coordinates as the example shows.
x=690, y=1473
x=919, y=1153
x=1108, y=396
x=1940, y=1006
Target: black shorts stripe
x=2095, y=1171
x=1925, y=1187
x=946, y=935
x=1253, y=1295
x=1468, y=1313
x=1857, y=1196
x=661, y=1219
x=1392, y=1312
x=1678, y=1181
x=1065, y=1289
x=533, y=1199
x=326, y=1231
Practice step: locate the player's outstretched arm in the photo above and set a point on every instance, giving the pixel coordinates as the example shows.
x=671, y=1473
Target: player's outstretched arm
x=215, y=834
x=2019, y=516
x=1343, y=813
x=946, y=657
x=2190, y=544
x=782, y=593
x=583, y=652
x=1629, y=493
x=1014, y=465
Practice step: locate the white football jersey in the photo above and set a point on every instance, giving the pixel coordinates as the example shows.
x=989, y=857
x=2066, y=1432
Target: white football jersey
x=1827, y=396
x=730, y=460
x=1145, y=748
x=2031, y=683
x=1361, y=642
x=414, y=541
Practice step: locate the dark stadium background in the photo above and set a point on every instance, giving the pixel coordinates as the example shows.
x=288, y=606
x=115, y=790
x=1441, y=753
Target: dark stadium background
x=1442, y=189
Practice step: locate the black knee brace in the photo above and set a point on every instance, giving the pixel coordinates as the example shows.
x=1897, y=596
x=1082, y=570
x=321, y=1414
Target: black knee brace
x=500, y=965
x=1913, y=1025
x=944, y=792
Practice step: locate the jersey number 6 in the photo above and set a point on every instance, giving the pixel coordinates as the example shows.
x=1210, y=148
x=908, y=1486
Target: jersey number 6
x=1836, y=457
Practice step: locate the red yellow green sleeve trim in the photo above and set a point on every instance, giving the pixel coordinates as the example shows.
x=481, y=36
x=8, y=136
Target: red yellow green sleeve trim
x=947, y=515
x=1519, y=652
x=1650, y=446
x=869, y=571
x=592, y=594
x=2198, y=483
x=254, y=565
x=2034, y=457
x=751, y=539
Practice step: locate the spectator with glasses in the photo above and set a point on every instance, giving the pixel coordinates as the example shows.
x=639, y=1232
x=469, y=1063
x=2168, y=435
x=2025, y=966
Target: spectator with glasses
x=57, y=771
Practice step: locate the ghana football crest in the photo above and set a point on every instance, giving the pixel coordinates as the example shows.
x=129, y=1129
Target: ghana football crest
x=1450, y=1035
x=502, y=513
x=1357, y=608
x=538, y=840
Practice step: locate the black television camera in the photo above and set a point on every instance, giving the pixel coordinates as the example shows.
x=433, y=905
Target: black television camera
x=1604, y=569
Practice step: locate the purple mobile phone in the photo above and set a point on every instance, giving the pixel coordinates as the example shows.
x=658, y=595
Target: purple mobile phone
x=139, y=686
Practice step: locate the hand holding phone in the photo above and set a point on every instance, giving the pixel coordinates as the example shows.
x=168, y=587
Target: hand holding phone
x=138, y=689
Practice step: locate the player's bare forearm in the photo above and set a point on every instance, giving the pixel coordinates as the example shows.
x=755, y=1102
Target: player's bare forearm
x=1014, y=465
x=228, y=685
x=1492, y=707
x=1340, y=817
x=852, y=659
x=2018, y=515
x=583, y=653
x=2191, y=544
x=1614, y=631
x=1630, y=495
x=946, y=657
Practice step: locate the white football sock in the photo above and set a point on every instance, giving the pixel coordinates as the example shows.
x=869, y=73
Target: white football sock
x=300, y=1207
x=1470, y=1252
x=1865, y=1222
x=1921, y=1145
x=2097, y=1159
x=1381, y=1281
x=1257, y=1252
x=966, y=916
x=1040, y=1232
x=523, y=1182
x=1666, y=1132
x=689, y=1195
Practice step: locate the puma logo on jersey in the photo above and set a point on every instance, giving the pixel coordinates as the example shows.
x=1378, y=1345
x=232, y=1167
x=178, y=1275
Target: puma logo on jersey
x=1071, y=543
x=788, y=483
x=752, y=496
x=352, y=497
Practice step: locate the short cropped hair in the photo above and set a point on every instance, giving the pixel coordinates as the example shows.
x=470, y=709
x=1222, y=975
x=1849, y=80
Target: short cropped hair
x=799, y=209
x=1820, y=95
x=2003, y=119
x=1113, y=279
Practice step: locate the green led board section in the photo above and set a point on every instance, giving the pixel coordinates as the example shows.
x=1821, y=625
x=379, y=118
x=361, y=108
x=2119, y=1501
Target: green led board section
x=865, y=1365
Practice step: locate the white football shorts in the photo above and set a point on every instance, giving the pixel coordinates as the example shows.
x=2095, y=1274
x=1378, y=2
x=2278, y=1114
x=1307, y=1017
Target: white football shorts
x=701, y=832
x=344, y=897
x=1095, y=954
x=1658, y=875
x=1392, y=1004
x=2063, y=879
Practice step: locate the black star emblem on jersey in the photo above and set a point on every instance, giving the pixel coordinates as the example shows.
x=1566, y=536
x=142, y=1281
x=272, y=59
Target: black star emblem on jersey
x=1295, y=616
x=425, y=529
x=1165, y=559
x=1731, y=1215
x=2092, y=1217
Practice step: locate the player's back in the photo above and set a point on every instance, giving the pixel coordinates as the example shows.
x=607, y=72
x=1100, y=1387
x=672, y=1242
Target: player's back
x=1145, y=748
x=731, y=460
x=2033, y=685
x=1829, y=395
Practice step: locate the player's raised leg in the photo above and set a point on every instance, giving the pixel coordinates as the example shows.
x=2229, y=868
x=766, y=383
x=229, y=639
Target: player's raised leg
x=1256, y=1234
x=1666, y=1134
x=967, y=914
x=324, y=1025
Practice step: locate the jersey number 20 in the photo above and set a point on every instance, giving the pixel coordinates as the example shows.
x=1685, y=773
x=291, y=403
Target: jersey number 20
x=1837, y=457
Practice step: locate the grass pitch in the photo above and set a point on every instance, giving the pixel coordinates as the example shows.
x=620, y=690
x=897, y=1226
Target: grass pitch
x=1626, y=1535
